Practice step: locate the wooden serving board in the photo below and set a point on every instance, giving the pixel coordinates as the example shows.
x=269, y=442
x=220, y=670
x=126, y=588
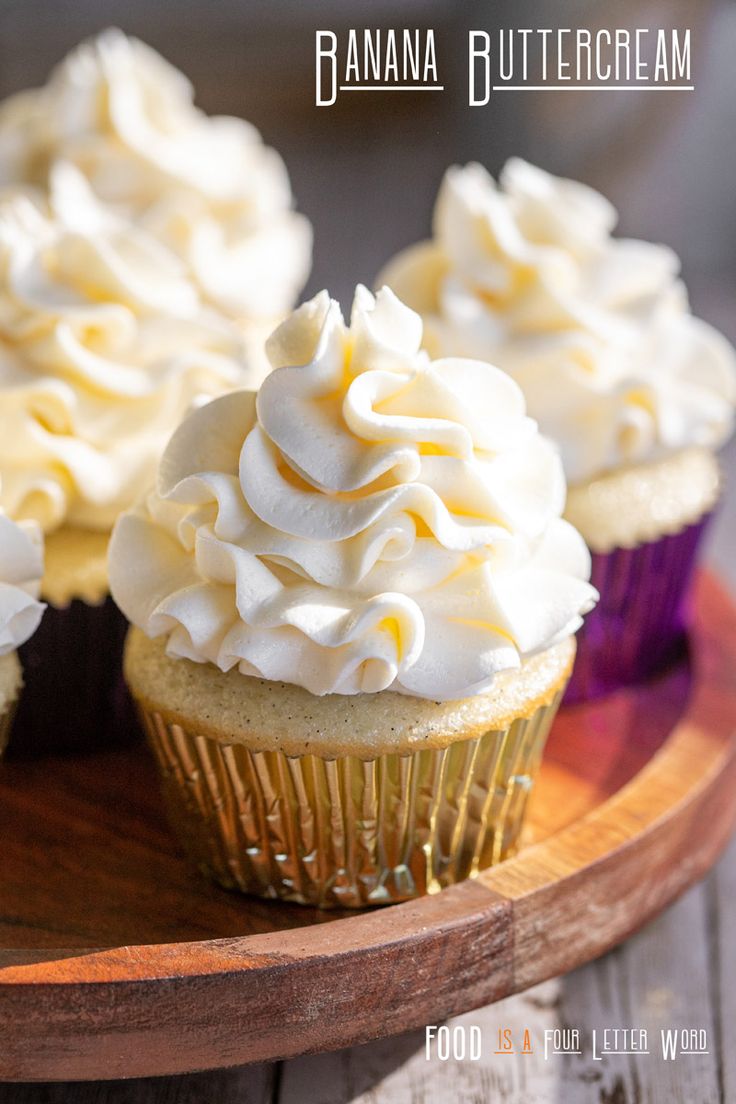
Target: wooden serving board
x=118, y=960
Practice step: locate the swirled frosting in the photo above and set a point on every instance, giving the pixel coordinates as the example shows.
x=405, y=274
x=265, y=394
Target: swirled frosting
x=104, y=346
x=21, y=568
x=370, y=519
x=596, y=330
x=206, y=186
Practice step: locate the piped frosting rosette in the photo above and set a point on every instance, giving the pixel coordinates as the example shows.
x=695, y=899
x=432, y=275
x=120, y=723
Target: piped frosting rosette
x=104, y=346
x=205, y=186
x=596, y=330
x=21, y=568
x=370, y=520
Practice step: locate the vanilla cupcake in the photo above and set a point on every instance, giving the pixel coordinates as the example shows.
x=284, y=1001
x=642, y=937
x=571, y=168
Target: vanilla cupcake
x=637, y=393
x=21, y=567
x=207, y=187
x=353, y=600
x=104, y=346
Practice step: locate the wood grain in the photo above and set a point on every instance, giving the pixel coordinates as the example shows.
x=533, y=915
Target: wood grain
x=250, y=1085
x=88, y=860
x=677, y=972
x=660, y=978
x=722, y=925
x=666, y=1002
x=183, y=1005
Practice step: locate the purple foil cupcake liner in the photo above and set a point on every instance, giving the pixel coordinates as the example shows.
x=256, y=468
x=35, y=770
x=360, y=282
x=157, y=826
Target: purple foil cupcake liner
x=639, y=625
x=74, y=697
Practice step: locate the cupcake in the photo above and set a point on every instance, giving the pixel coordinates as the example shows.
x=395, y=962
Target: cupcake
x=104, y=346
x=353, y=602
x=637, y=393
x=21, y=567
x=206, y=187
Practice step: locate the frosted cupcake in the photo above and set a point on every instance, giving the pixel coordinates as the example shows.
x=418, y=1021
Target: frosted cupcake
x=206, y=187
x=636, y=391
x=353, y=600
x=104, y=346
x=21, y=567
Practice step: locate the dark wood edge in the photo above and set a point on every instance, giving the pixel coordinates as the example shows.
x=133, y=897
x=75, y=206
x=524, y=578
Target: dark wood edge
x=181, y=1007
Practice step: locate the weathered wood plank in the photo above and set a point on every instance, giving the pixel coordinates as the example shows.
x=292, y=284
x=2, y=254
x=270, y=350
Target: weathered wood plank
x=590, y=1002
x=250, y=1085
x=722, y=902
x=666, y=984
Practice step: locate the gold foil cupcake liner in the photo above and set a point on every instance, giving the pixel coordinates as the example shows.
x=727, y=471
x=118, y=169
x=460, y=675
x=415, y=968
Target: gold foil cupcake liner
x=348, y=832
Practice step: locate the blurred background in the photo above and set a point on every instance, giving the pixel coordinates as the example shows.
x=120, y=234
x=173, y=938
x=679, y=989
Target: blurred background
x=366, y=171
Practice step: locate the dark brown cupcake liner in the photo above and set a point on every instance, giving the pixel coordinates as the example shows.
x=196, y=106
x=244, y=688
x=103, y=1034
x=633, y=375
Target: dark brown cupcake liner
x=74, y=696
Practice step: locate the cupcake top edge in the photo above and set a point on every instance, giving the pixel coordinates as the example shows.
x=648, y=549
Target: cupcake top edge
x=21, y=568
x=282, y=717
x=370, y=519
x=637, y=505
x=596, y=329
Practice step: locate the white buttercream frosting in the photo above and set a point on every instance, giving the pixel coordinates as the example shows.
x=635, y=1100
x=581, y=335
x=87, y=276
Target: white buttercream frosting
x=596, y=330
x=104, y=346
x=369, y=520
x=21, y=568
x=206, y=186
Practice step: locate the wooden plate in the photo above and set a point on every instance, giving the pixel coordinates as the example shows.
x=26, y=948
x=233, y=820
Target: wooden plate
x=118, y=960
